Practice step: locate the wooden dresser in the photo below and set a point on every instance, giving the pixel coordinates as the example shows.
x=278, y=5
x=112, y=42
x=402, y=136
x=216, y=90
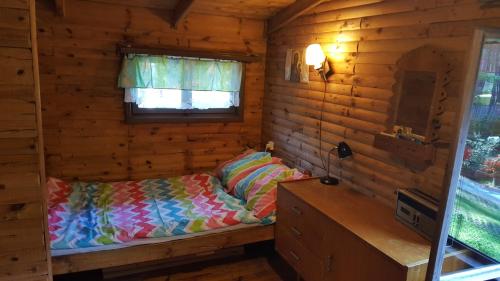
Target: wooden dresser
x=335, y=233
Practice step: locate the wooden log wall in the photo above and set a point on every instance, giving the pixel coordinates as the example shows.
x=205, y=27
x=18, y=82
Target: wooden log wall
x=364, y=42
x=85, y=133
x=23, y=253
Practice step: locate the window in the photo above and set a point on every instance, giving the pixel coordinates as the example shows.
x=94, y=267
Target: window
x=181, y=89
x=476, y=216
x=178, y=99
x=469, y=246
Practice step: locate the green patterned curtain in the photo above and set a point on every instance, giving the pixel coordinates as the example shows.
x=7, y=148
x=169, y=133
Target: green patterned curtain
x=164, y=72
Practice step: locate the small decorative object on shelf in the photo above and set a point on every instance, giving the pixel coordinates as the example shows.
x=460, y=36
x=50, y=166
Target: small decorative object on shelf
x=402, y=132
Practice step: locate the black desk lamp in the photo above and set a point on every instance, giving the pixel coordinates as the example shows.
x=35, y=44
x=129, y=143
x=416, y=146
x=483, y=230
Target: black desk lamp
x=343, y=151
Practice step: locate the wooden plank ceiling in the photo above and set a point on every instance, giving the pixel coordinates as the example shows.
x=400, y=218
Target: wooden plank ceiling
x=255, y=9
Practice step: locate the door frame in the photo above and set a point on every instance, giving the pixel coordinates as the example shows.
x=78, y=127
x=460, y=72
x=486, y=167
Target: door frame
x=455, y=159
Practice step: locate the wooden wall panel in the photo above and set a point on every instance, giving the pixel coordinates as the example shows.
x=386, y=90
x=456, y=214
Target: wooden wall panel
x=23, y=253
x=364, y=43
x=85, y=133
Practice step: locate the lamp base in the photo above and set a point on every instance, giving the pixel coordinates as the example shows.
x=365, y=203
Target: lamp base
x=329, y=180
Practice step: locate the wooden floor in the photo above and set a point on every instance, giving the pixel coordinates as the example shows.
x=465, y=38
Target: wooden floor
x=252, y=269
x=256, y=262
x=257, y=269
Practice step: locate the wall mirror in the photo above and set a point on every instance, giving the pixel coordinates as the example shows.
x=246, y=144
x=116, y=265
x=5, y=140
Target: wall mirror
x=419, y=94
x=415, y=100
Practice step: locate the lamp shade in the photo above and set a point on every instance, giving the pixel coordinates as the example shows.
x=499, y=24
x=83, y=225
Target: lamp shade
x=344, y=150
x=315, y=56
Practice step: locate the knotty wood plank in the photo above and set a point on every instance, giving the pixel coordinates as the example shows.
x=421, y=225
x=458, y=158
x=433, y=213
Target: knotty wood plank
x=16, y=19
x=22, y=212
x=18, y=4
x=60, y=7
x=257, y=269
x=16, y=72
x=14, y=38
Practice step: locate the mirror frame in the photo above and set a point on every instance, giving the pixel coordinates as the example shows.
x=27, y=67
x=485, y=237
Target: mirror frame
x=429, y=59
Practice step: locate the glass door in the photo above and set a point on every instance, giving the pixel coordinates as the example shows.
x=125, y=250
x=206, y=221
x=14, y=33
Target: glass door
x=468, y=247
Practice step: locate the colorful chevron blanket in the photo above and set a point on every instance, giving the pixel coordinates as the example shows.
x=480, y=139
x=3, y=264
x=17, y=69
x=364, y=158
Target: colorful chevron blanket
x=87, y=214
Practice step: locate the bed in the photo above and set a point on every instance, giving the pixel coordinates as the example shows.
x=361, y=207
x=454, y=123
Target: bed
x=95, y=225
x=188, y=247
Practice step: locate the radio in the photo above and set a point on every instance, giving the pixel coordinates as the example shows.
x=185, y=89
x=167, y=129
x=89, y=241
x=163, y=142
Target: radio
x=417, y=210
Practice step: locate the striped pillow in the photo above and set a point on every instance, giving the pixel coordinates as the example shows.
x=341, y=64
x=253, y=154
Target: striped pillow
x=259, y=188
x=232, y=173
x=221, y=166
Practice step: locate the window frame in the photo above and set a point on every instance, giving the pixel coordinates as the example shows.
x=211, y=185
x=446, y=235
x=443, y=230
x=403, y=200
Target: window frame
x=135, y=115
x=477, y=255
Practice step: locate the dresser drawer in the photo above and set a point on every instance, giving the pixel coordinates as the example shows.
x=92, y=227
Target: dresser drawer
x=325, y=234
x=299, y=257
x=306, y=225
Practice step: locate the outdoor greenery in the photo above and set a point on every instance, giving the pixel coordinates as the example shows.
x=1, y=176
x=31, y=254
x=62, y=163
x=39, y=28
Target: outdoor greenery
x=482, y=153
x=476, y=218
x=476, y=224
x=479, y=153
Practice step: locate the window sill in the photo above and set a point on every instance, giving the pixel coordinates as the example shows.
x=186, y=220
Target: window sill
x=134, y=117
x=138, y=119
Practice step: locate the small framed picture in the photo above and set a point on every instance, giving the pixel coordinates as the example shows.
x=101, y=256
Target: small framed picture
x=296, y=69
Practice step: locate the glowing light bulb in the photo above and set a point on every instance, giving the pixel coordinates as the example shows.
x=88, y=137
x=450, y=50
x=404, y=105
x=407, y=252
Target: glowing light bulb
x=315, y=56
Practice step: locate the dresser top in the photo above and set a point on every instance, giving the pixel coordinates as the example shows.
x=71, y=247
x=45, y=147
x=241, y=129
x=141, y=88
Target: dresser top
x=365, y=217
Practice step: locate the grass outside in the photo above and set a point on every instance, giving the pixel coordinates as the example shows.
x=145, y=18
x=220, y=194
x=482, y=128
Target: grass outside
x=476, y=223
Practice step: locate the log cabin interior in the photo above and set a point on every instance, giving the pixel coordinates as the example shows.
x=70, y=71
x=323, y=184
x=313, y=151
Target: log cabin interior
x=250, y=140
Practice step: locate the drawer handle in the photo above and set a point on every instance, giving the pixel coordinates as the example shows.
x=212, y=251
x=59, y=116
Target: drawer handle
x=294, y=255
x=296, y=210
x=296, y=231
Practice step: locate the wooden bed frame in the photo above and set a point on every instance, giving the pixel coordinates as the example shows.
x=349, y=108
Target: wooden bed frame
x=199, y=245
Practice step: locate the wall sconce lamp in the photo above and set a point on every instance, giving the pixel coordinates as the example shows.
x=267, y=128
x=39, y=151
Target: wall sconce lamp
x=316, y=57
x=343, y=151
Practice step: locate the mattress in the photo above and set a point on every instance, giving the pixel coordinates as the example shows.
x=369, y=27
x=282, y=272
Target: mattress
x=92, y=216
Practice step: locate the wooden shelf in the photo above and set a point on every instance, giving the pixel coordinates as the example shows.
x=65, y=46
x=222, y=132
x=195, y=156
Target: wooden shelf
x=411, y=152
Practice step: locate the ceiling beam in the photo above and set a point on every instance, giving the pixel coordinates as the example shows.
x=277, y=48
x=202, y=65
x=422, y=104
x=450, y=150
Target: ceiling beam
x=181, y=10
x=290, y=13
x=60, y=7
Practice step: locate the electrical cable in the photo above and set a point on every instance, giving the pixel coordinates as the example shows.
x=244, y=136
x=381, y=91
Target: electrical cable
x=321, y=125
